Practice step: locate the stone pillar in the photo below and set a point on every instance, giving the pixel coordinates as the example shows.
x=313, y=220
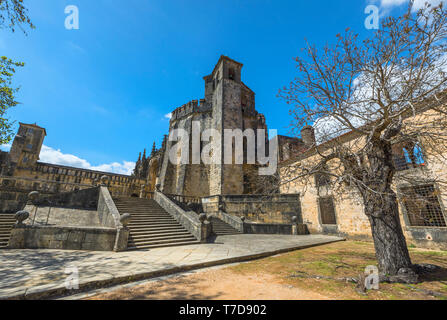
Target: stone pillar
x=206, y=228
x=122, y=233
x=295, y=225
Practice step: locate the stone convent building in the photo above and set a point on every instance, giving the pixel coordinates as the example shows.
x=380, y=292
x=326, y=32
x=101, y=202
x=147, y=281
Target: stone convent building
x=227, y=104
x=21, y=172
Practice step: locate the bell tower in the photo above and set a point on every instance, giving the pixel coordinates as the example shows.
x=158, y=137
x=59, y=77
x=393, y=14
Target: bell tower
x=27, y=144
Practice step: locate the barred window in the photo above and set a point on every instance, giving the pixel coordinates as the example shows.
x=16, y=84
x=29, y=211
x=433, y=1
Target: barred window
x=327, y=210
x=422, y=206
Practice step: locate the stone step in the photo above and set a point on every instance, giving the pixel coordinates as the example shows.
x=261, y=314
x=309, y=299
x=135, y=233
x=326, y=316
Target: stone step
x=134, y=210
x=152, y=222
x=150, y=240
x=156, y=229
x=161, y=241
x=158, y=232
x=157, y=235
x=163, y=245
x=154, y=226
x=151, y=226
x=148, y=216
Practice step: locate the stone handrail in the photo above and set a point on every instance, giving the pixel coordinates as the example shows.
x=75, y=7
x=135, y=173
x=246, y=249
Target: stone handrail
x=107, y=211
x=110, y=216
x=234, y=221
x=189, y=219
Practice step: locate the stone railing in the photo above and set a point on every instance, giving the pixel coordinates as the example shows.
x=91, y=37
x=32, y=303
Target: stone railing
x=249, y=227
x=194, y=223
x=234, y=221
x=110, y=216
x=187, y=203
x=103, y=229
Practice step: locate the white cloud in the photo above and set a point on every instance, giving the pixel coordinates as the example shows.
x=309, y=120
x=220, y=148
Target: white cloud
x=5, y=147
x=50, y=155
x=418, y=4
x=168, y=115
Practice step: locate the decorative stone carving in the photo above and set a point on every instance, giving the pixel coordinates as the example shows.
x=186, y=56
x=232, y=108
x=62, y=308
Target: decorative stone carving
x=32, y=197
x=202, y=217
x=294, y=219
x=104, y=180
x=21, y=216
x=243, y=219
x=125, y=219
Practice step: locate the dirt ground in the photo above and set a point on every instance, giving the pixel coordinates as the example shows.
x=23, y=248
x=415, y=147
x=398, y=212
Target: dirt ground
x=308, y=274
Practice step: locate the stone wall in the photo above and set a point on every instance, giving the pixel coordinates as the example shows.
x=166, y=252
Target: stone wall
x=14, y=189
x=54, y=216
x=257, y=208
x=68, y=238
x=350, y=219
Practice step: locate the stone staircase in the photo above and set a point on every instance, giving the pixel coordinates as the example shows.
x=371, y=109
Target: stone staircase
x=221, y=228
x=6, y=223
x=151, y=226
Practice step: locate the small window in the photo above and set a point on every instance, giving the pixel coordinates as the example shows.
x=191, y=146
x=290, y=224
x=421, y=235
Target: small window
x=422, y=206
x=407, y=156
x=327, y=210
x=29, y=146
x=231, y=74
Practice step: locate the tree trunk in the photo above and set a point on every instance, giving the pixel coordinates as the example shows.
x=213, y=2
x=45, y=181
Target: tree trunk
x=389, y=240
x=382, y=210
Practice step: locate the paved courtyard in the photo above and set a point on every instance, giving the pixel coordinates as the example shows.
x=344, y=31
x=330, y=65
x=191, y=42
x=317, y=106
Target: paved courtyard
x=36, y=274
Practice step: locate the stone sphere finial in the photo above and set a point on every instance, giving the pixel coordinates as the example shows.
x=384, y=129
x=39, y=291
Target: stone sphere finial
x=125, y=219
x=202, y=217
x=21, y=216
x=104, y=180
x=243, y=218
x=33, y=195
x=157, y=187
x=294, y=219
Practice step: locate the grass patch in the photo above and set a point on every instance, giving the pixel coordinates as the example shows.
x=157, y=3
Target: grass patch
x=345, y=260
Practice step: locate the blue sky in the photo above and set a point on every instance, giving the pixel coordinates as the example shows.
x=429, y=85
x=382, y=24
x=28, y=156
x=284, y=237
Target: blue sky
x=102, y=92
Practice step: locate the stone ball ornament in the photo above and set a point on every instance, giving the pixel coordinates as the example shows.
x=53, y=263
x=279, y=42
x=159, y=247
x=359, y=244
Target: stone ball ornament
x=202, y=217
x=104, y=180
x=125, y=219
x=21, y=216
x=243, y=218
x=294, y=219
x=33, y=195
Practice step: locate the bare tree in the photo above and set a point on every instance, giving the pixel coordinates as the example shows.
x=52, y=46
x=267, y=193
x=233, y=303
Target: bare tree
x=385, y=91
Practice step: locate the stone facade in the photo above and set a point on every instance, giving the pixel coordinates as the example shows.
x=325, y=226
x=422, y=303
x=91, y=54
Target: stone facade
x=347, y=217
x=227, y=104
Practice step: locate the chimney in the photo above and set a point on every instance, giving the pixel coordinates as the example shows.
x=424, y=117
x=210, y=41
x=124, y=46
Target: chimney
x=308, y=136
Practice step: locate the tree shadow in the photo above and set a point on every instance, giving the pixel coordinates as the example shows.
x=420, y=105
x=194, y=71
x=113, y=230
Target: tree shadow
x=438, y=275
